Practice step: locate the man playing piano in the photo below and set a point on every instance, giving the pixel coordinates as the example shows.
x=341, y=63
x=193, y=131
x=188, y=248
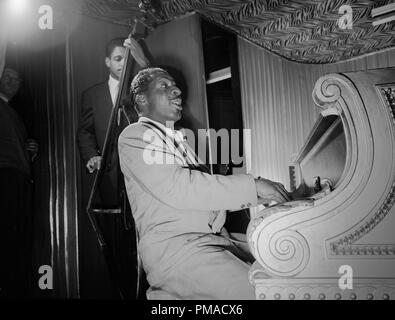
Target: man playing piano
x=178, y=208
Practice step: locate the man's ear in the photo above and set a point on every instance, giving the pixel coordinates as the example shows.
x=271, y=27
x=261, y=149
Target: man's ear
x=107, y=61
x=141, y=99
x=140, y=102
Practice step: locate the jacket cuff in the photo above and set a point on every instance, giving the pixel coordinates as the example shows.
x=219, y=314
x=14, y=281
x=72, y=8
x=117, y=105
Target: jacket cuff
x=87, y=156
x=247, y=195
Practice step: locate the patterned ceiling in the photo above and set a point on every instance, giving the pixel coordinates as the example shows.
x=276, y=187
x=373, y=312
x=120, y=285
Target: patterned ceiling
x=300, y=30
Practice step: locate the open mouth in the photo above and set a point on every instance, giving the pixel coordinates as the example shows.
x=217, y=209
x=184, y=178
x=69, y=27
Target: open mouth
x=177, y=103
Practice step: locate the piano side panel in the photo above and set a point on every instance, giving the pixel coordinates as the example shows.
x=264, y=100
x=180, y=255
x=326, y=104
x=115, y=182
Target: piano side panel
x=302, y=252
x=327, y=157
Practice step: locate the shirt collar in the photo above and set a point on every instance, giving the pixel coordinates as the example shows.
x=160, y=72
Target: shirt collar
x=171, y=132
x=112, y=82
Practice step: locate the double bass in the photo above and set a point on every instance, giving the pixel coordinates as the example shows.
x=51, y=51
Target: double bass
x=120, y=115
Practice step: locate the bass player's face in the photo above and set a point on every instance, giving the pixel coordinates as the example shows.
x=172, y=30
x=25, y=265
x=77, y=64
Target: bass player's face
x=115, y=62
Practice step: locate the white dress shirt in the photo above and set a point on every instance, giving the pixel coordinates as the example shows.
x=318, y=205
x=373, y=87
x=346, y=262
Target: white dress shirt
x=113, y=85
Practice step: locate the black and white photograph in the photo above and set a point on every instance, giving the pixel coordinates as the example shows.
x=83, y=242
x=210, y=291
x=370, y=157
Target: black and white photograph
x=205, y=150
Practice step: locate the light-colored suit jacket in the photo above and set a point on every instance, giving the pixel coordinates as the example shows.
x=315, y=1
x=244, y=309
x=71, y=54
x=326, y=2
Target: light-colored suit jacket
x=169, y=200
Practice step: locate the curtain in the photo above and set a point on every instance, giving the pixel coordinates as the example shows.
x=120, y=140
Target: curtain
x=46, y=102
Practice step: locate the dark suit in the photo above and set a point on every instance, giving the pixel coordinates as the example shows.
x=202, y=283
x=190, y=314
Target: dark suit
x=13, y=153
x=15, y=206
x=96, y=111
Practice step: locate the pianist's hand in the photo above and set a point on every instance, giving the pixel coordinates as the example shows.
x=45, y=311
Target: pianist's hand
x=94, y=164
x=269, y=191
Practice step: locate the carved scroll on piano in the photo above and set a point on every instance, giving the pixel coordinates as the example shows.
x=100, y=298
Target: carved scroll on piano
x=348, y=165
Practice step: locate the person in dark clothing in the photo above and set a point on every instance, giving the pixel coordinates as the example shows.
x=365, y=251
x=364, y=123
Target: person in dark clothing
x=16, y=154
x=97, y=104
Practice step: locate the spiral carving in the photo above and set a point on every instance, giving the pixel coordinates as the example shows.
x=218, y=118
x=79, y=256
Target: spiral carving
x=282, y=254
x=326, y=92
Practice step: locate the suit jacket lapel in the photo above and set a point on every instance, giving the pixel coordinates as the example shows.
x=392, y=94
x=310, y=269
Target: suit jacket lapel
x=107, y=97
x=182, y=151
x=168, y=143
x=102, y=104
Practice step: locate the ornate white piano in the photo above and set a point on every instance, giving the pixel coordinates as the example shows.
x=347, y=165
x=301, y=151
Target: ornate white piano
x=343, y=246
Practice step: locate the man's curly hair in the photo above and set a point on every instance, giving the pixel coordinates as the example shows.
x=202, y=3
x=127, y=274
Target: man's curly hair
x=142, y=80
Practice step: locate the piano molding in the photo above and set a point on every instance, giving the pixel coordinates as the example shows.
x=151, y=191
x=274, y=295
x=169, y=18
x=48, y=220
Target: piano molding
x=345, y=246
x=302, y=31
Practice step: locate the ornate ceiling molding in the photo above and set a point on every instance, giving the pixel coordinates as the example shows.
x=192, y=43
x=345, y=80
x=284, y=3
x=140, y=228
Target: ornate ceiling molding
x=303, y=31
x=116, y=11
